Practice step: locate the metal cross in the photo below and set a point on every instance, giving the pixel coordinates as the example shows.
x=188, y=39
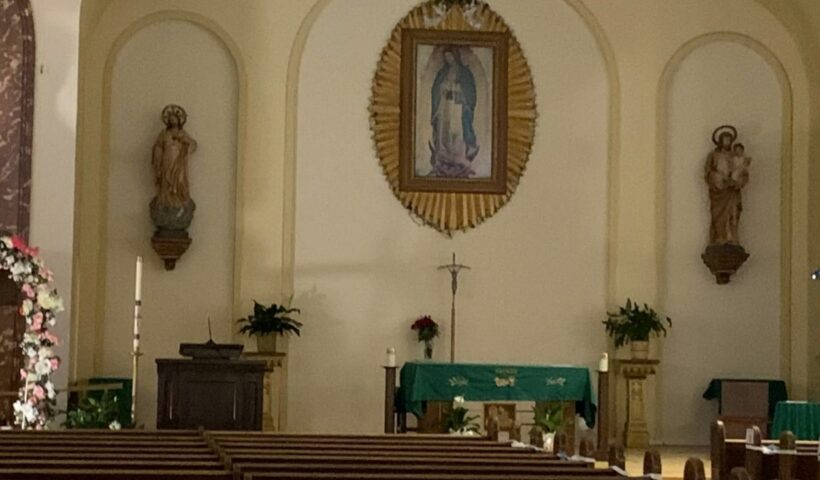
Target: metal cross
x=454, y=269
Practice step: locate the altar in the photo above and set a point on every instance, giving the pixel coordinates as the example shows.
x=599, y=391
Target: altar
x=421, y=382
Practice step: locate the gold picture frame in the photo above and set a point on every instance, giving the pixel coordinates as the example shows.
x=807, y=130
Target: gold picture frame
x=452, y=206
x=453, y=111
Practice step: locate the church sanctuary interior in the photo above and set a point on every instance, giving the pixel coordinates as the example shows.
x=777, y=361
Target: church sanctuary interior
x=410, y=239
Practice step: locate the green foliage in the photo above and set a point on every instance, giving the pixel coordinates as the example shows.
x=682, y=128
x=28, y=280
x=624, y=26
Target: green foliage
x=274, y=319
x=633, y=323
x=458, y=421
x=93, y=412
x=549, y=417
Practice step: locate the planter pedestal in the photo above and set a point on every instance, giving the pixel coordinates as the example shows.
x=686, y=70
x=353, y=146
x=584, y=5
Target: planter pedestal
x=635, y=371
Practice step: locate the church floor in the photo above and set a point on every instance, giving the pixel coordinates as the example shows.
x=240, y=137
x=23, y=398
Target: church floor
x=673, y=460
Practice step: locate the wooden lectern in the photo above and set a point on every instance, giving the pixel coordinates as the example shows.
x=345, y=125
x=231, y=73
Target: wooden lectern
x=215, y=394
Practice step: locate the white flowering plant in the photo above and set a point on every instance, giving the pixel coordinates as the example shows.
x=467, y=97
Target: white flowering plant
x=39, y=307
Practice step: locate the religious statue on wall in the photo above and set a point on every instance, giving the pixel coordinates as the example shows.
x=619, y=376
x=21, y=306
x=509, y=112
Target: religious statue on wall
x=726, y=174
x=172, y=209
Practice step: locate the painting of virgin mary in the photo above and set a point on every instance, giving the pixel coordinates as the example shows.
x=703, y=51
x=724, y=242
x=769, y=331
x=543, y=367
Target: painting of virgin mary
x=453, y=123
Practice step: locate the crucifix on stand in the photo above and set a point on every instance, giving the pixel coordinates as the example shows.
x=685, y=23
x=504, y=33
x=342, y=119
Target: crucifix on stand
x=454, y=269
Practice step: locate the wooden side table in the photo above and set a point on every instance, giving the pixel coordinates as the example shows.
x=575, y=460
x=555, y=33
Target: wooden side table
x=273, y=390
x=636, y=433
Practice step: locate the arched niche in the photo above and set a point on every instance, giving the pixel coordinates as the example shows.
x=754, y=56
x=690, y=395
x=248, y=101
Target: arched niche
x=702, y=88
x=206, y=85
x=16, y=125
x=108, y=28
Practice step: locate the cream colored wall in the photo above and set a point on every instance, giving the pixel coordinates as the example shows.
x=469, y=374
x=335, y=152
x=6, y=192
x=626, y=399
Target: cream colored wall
x=57, y=30
x=364, y=270
x=735, y=327
x=267, y=38
x=259, y=38
x=169, y=62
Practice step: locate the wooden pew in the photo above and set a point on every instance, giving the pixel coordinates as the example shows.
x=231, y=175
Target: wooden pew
x=418, y=476
x=107, y=455
x=91, y=461
x=727, y=454
x=785, y=463
x=115, y=474
x=513, y=467
x=267, y=436
x=496, y=448
x=212, y=455
x=417, y=468
x=693, y=470
x=381, y=454
x=81, y=454
x=277, y=457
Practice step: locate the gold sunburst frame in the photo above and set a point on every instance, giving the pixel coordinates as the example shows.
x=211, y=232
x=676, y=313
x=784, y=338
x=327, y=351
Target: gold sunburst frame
x=451, y=211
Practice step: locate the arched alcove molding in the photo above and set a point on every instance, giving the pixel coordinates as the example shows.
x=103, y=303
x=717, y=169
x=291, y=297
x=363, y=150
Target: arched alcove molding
x=787, y=157
x=289, y=170
x=614, y=147
x=294, y=66
x=93, y=245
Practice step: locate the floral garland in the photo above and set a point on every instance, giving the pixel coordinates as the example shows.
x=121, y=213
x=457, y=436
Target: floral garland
x=40, y=305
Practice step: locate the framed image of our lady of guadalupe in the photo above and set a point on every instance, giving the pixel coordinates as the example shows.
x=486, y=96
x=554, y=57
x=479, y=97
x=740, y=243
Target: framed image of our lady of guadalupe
x=454, y=111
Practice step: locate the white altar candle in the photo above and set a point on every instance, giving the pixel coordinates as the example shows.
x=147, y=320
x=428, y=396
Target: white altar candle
x=391, y=357
x=137, y=304
x=138, y=282
x=603, y=364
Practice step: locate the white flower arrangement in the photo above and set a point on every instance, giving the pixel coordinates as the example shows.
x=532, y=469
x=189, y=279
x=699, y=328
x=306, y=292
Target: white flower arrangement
x=37, y=397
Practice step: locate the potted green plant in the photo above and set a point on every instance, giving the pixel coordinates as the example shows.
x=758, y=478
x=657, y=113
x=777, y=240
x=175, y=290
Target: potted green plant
x=93, y=412
x=548, y=419
x=634, y=324
x=267, y=323
x=458, y=422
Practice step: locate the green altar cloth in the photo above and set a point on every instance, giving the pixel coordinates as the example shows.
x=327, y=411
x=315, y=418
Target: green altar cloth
x=432, y=381
x=800, y=418
x=777, y=391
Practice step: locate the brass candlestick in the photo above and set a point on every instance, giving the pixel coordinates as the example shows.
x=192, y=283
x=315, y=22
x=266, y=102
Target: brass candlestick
x=135, y=361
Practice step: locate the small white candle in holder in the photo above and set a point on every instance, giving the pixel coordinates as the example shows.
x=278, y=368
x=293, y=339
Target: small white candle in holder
x=391, y=357
x=603, y=365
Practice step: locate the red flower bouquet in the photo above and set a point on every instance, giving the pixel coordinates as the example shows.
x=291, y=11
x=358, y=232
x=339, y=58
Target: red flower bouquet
x=426, y=328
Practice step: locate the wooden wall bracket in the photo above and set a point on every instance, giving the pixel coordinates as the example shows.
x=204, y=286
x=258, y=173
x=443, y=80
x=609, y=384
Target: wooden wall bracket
x=170, y=247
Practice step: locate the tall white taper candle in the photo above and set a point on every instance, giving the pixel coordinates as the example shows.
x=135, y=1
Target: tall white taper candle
x=138, y=282
x=135, y=353
x=137, y=303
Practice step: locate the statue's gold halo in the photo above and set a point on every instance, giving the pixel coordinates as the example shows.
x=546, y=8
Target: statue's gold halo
x=445, y=211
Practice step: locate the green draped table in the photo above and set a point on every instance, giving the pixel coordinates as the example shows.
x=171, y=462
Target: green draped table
x=432, y=381
x=801, y=418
